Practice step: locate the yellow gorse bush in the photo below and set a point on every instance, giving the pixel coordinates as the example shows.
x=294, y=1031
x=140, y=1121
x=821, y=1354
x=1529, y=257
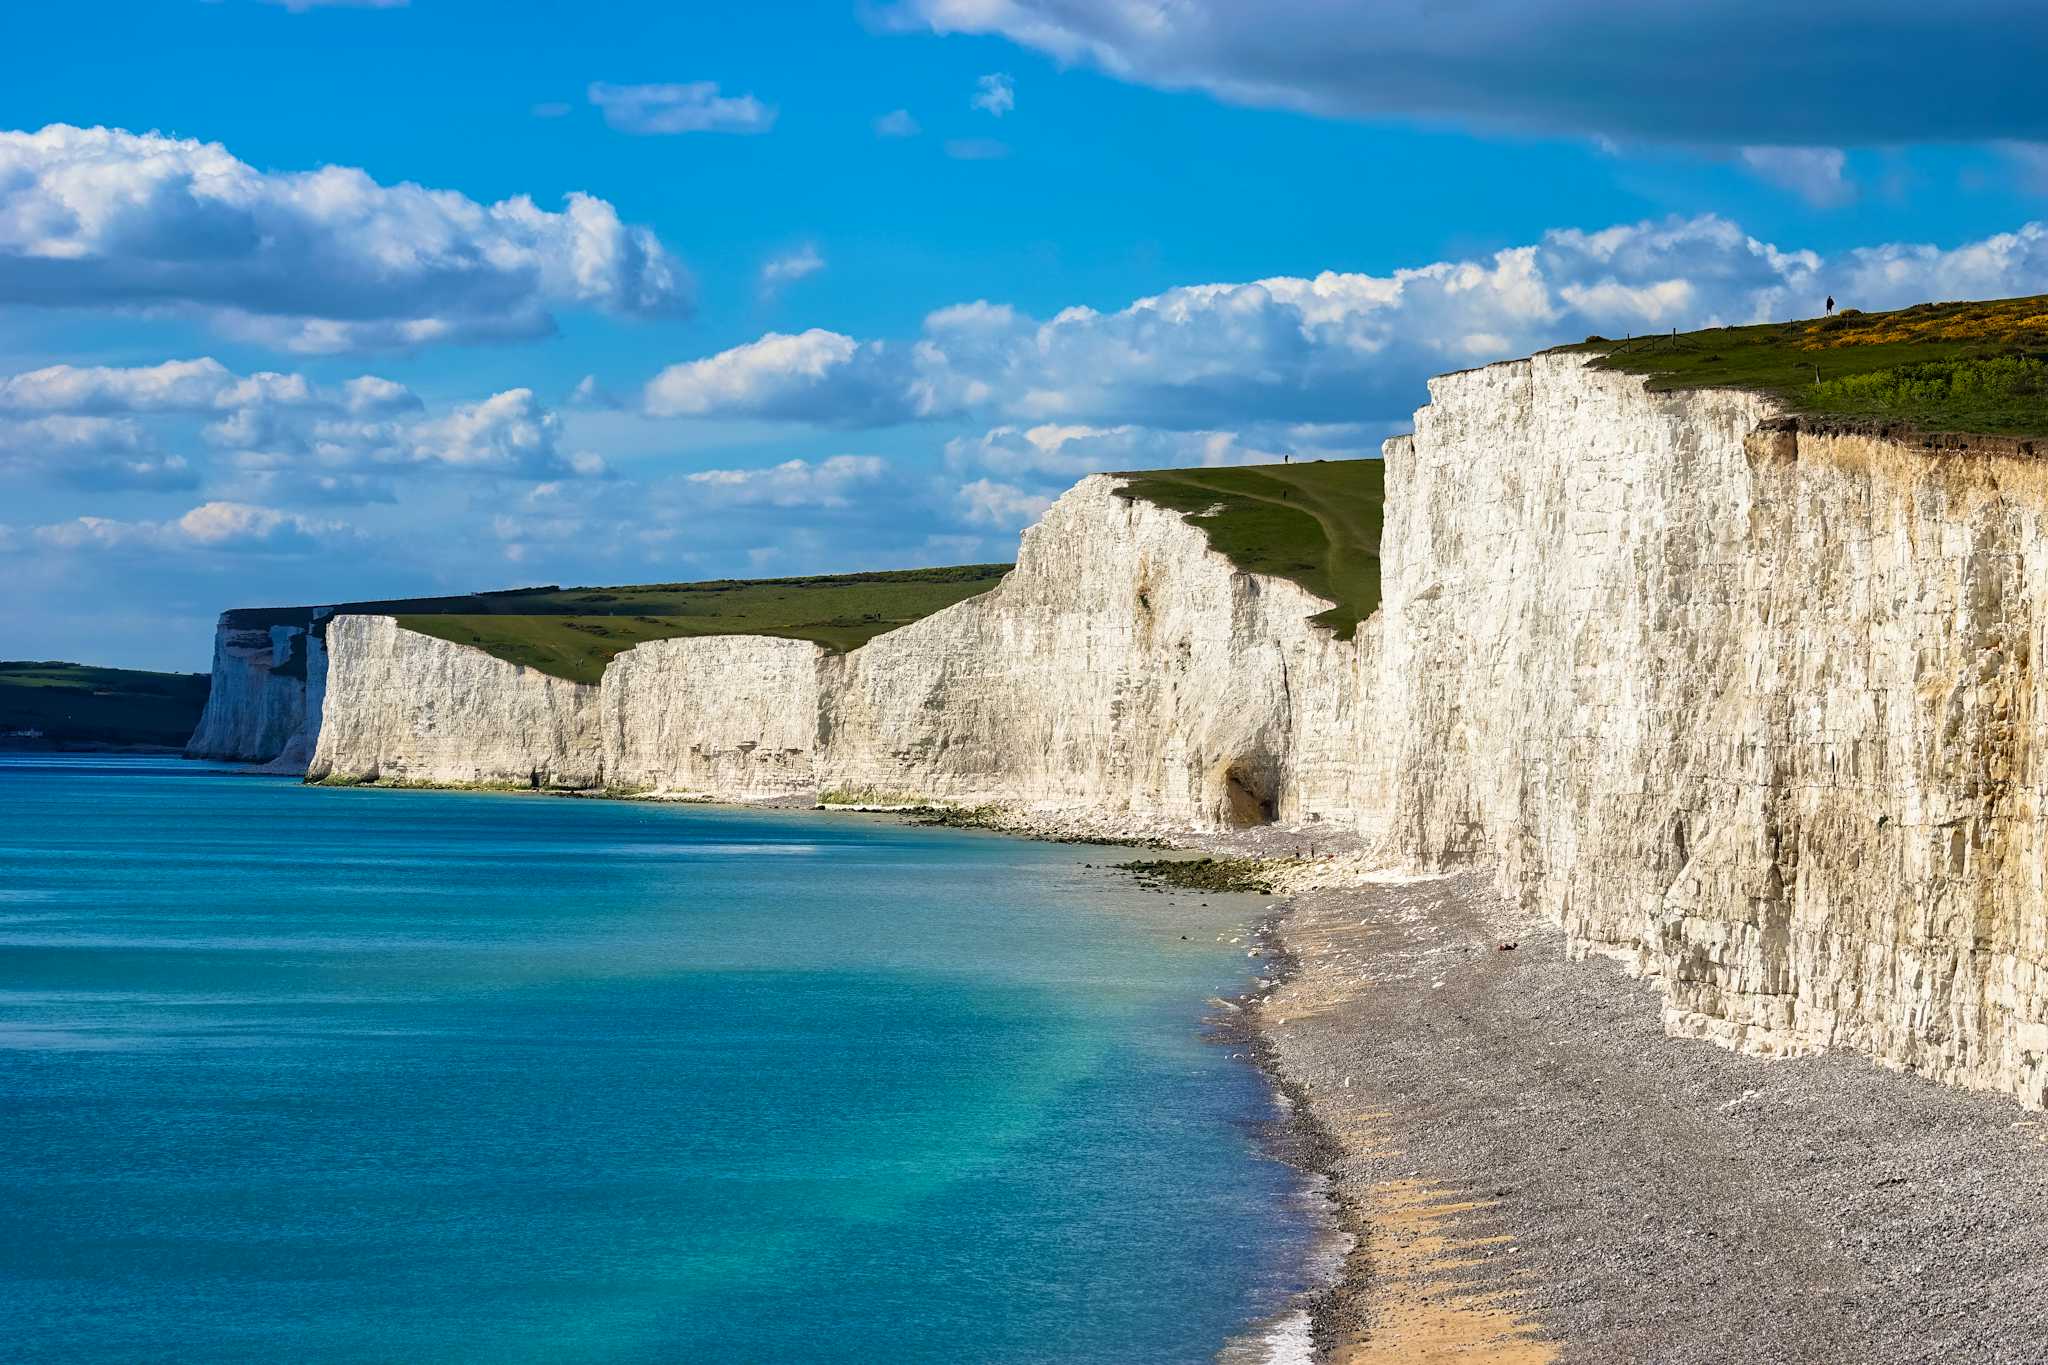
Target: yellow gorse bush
x=2008, y=322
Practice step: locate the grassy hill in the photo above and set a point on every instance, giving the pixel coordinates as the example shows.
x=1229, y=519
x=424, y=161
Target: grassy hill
x=1980, y=368
x=581, y=629
x=1315, y=523
x=77, y=704
x=574, y=632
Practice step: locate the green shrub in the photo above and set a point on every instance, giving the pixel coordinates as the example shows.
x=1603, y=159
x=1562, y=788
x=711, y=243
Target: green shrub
x=1935, y=383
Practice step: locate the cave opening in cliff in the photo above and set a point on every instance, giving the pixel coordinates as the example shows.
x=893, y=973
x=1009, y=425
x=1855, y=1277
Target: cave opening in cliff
x=1248, y=795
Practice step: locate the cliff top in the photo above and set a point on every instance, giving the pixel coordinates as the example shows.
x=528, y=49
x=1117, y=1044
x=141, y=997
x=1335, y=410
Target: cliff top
x=1935, y=367
x=574, y=632
x=69, y=703
x=1316, y=524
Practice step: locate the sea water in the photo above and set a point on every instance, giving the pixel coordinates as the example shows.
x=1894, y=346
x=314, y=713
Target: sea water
x=293, y=1073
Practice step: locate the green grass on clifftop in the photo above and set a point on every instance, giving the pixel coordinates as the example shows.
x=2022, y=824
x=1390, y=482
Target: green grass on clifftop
x=1315, y=523
x=1980, y=368
x=574, y=632
x=78, y=704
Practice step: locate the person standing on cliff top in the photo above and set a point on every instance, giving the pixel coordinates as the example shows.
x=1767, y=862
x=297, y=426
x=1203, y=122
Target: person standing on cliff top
x=1831, y=305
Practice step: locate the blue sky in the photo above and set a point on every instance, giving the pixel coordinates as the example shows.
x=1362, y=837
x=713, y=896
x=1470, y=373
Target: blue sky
x=856, y=285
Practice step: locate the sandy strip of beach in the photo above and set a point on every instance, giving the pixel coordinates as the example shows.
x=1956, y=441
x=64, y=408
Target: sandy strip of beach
x=1535, y=1172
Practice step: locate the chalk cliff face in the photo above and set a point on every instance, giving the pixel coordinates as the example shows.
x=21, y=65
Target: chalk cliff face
x=1124, y=675
x=733, y=717
x=1754, y=707
x=405, y=707
x=1124, y=671
x=268, y=684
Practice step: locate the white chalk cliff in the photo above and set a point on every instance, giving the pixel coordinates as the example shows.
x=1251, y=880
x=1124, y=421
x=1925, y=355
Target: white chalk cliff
x=409, y=708
x=1124, y=672
x=1751, y=706
x=269, y=684
x=731, y=717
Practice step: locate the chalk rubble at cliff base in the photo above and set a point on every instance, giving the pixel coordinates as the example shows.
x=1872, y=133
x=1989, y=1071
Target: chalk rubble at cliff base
x=1752, y=707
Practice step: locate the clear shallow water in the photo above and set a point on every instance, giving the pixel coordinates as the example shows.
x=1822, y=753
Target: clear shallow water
x=311, y=1074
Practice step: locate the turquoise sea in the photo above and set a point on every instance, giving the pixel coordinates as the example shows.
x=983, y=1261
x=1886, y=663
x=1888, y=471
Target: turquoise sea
x=303, y=1074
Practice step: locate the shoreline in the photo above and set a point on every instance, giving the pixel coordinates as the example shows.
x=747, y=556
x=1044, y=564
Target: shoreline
x=1334, y=1304
x=1528, y=1168
x=1334, y=1301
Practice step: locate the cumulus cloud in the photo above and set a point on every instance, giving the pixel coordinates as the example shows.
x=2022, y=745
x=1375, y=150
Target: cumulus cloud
x=107, y=425
x=229, y=527
x=814, y=376
x=1334, y=348
x=897, y=123
x=1825, y=74
x=92, y=452
x=174, y=386
x=507, y=433
x=793, y=483
x=995, y=94
x=984, y=502
x=315, y=261
x=1815, y=174
x=370, y=396
x=790, y=267
x=693, y=107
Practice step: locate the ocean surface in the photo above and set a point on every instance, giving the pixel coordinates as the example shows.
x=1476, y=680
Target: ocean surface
x=307, y=1074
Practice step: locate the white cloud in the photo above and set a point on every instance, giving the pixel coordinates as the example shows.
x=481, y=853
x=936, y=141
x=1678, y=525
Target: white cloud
x=897, y=123
x=1066, y=452
x=92, y=452
x=301, y=6
x=1815, y=174
x=229, y=527
x=172, y=386
x=694, y=107
x=1732, y=73
x=369, y=396
x=314, y=261
x=985, y=502
x=793, y=483
x=995, y=93
x=507, y=433
x=1332, y=348
x=277, y=430
x=239, y=525
x=817, y=376
x=590, y=393
x=790, y=267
